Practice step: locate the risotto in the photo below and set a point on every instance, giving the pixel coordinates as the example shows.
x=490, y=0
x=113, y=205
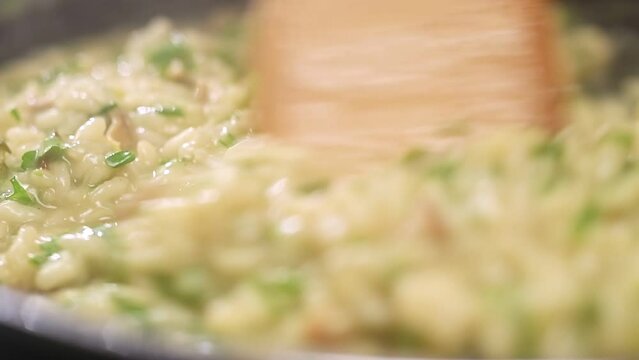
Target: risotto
x=133, y=186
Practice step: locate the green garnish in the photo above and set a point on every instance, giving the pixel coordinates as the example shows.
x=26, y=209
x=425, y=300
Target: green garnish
x=15, y=114
x=414, y=155
x=130, y=307
x=162, y=57
x=405, y=340
x=189, y=286
x=169, y=111
x=120, y=158
x=588, y=314
x=104, y=110
x=47, y=249
x=282, y=291
x=29, y=160
x=586, y=219
x=624, y=139
x=314, y=186
x=227, y=139
x=51, y=149
x=444, y=171
x=19, y=194
x=549, y=149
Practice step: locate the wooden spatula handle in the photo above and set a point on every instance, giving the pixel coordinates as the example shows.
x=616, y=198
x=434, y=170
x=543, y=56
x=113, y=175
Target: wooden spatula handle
x=383, y=75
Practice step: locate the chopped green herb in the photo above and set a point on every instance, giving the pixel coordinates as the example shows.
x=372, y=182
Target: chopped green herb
x=314, y=186
x=586, y=219
x=19, y=194
x=189, y=286
x=51, y=149
x=281, y=291
x=228, y=56
x=549, y=149
x=444, y=170
x=227, y=139
x=15, y=114
x=130, y=307
x=405, y=340
x=29, y=160
x=588, y=314
x=106, y=109
x=169, y=111
x=162, y=57
x=413, y=156
x=624, y=139
x=47, y=249
x=119, y=158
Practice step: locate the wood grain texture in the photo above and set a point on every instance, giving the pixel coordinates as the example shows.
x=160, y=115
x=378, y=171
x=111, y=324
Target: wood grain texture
x=378, y=75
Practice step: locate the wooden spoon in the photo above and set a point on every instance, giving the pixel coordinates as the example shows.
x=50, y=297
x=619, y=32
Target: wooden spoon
x=377, y=76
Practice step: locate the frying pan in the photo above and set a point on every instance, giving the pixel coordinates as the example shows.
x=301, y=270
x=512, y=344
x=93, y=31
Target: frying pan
x=31, y=327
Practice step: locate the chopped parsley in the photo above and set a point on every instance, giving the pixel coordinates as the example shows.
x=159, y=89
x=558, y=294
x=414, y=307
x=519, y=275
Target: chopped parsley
x=314, y=186
x=190, y=286
x=163, y=56
x=623, y=139
x=444, y=170
x=19, y=193
x=131, y=308
x=550, y=149
x=226, y=139
x=51, y=149
x=120, y=158
x=47, y=250
x=414, y=156
x=169, y=111
x=281, y=291
x=15, y=114
x=586, y=219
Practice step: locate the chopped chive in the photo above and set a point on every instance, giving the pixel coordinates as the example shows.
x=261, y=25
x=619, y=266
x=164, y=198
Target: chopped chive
x=29, y=160
x=227, y=139
x=444, y=171
x=104, y=110
x=19, y=194
x=163, y=56
x=314, y=186
x=282, y=291
x=549, y=149
x=624, y=139
x=130, y=307
x=414, y=155
x=15, y=114
x=119, y=158
x=169, y=111
x=47, y=249
x=586, y=219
